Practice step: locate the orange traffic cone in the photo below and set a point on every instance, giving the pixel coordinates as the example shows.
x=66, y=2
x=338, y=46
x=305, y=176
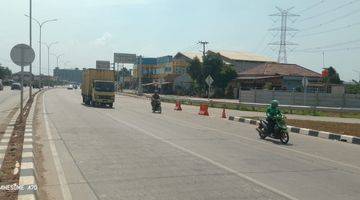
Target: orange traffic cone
x=204, y=110
x=223, y=114
x=178, y=106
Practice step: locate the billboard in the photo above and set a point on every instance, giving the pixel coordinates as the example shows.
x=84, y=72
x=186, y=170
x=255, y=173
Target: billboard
x=102, y=64
x=124, y=58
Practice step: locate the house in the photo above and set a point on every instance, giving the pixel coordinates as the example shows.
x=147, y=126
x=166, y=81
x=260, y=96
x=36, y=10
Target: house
x=242, y=61
x=275, y=75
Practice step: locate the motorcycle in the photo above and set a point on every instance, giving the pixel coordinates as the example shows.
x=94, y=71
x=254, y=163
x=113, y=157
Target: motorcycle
x=156, y=105
x=280, y=129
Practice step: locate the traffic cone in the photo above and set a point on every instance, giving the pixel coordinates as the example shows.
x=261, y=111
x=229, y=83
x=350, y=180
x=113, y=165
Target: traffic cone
x=224, y=114
x=204, y=110
x=178, y=106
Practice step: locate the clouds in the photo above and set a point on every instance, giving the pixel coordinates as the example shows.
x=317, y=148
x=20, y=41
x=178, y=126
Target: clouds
x=104, y=40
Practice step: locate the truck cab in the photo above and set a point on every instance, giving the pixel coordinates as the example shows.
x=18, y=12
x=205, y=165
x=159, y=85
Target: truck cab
x=103, y=93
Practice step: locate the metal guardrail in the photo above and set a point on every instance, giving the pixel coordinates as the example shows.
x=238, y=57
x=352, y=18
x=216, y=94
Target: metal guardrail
x=260, y=105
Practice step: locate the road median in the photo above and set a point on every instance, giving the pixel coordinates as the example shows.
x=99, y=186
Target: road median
x=310, y=132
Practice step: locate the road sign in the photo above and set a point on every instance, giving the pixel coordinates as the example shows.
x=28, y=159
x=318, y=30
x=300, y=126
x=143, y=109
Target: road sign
x=101, y=64
x=305, y=82
x=124, y=58
x=209, y=80
x=22, y=55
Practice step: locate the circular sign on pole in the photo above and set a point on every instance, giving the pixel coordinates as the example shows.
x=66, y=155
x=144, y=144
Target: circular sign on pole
x=22, y=55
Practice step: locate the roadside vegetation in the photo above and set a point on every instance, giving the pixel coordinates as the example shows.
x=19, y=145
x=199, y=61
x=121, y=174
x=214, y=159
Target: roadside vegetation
x=214, y=66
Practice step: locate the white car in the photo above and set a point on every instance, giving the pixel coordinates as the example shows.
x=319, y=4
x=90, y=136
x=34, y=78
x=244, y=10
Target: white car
x=70, y=87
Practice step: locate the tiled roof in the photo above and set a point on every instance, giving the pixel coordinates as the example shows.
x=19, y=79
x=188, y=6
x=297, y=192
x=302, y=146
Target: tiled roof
x=280, y=69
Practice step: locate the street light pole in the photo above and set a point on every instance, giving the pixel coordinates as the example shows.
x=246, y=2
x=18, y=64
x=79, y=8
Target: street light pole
x=57, y=59
x=30, y=44
x=41, y=24
x=48, y=51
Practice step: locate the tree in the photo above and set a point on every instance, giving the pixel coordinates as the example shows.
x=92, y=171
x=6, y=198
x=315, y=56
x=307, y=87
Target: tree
x=330, y=76
x=214, y=66
x=4, y=72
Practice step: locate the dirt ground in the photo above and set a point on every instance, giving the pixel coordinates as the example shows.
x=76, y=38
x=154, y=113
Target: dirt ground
x=339, y=128
x=333, y=127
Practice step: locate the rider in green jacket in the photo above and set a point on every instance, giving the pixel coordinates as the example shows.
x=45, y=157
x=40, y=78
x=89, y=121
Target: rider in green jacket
x=271, y=113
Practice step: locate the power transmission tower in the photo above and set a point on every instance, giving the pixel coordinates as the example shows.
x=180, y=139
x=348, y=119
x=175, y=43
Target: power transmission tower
x=285, y=31
x=204, y=43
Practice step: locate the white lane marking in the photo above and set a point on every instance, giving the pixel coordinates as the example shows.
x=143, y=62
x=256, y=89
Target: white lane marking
x=60, y=172
x=204, y=158
x=270, y=145
x=175, y=120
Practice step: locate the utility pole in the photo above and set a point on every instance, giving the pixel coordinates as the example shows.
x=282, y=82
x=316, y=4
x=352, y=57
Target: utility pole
x=323, y=55
x=204, y=43
x=284, y=30
x=30, y=44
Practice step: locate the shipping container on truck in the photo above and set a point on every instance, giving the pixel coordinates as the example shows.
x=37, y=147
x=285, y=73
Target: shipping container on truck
x=98, y=87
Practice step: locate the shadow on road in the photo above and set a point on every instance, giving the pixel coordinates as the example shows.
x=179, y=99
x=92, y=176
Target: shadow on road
x=97, y=107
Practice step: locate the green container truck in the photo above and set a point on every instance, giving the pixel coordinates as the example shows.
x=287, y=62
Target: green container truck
x=98, y=87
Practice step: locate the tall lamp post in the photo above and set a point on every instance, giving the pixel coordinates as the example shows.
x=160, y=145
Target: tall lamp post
x=48, y=45
x=30, y=43
x=41, y=24
x=57, y=58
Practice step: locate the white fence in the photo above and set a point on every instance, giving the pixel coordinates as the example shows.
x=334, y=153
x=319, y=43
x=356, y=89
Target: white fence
x=298, y=98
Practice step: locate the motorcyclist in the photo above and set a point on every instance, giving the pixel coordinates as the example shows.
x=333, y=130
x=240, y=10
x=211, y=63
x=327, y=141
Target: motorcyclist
x=272, y=111
x=155, y=97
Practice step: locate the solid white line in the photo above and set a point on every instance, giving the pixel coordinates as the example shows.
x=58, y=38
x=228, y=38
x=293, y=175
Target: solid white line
x=204, y=158
x=60, y=172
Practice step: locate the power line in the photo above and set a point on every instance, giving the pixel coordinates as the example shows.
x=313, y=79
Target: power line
x=332, y=50
x=331, y=30
x=332, y=20
x=331, y=45
x=339, y=44
x=284, y=30
x=311, y=7
x=329, y=11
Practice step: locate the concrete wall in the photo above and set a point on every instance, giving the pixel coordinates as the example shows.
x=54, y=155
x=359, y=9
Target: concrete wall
x=297, y=98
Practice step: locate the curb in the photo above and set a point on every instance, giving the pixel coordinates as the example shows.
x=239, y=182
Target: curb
x=4, y=142
x=304, y=131
x=27, y=167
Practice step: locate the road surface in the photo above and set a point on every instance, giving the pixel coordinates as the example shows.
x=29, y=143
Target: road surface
x=9, y=99
x=130, y=153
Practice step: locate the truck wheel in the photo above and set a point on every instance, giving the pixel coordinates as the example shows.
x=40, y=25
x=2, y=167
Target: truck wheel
x=111, y=105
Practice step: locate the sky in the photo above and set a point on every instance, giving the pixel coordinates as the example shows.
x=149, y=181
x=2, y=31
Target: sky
x=90, y=30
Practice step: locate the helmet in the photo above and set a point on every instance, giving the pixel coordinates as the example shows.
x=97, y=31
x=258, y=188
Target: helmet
x=274, y=103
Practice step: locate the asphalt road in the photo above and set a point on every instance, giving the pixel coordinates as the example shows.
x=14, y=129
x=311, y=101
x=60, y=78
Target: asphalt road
x=9, y=99
x=130, y=153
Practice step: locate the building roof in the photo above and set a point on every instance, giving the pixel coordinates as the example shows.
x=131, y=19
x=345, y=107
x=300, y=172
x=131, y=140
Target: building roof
x=243, y=56
x=191, y=55
x=231, y=55
x=271, y=69
x=149, y=61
